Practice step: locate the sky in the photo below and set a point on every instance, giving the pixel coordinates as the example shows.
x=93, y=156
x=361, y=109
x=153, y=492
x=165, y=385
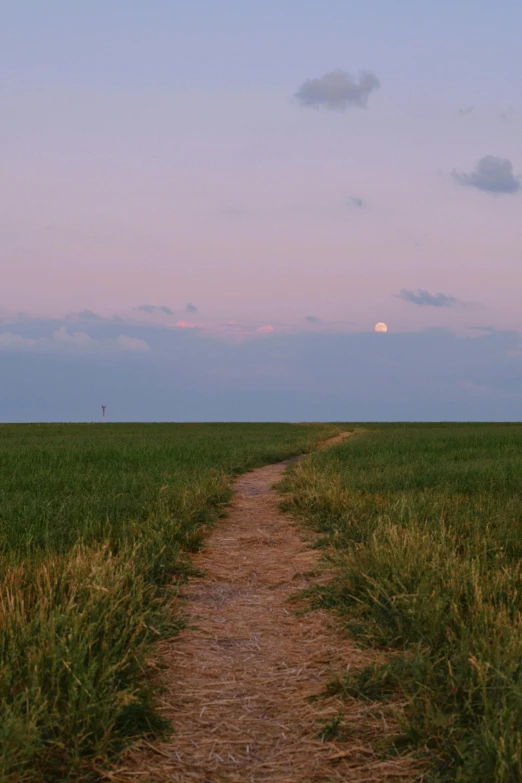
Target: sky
x=205, y=208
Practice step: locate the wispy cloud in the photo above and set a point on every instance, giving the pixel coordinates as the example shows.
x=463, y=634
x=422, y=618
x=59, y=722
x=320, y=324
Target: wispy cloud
x=508, y=114
x=127, y=343
x=190, y=308
x=147, y=308
x=88, y=315
x=265, y=329
x=93, y=317
x=312, y=319
x=491, y=174
x=492, y=330
x=10, y=340
x=187, y=325
x=465, y=112
x=77, y=339
x=357, y=202
x=338, y=90
x=424, y=298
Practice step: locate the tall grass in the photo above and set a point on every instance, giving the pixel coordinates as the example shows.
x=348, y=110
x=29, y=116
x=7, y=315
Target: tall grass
x=95, y=526
x=425, y=525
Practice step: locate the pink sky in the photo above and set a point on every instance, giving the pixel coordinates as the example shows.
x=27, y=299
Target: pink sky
x=180, y=181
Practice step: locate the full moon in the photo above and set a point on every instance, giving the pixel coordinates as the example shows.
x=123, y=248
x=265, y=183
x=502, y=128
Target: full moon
x=380, y=327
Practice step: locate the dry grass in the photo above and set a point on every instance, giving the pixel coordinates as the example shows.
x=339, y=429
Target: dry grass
x=239, y=681
x=96, y=524
x=424, y=522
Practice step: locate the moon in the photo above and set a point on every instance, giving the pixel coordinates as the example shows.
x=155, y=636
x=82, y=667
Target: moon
x=380, y=327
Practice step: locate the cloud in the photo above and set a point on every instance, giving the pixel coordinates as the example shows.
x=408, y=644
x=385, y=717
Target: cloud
x=490, y=329
x=232, y=330
x=312, y=319
x=358, y=202
x=265, y=329
x=232, y=326
x=10, y=340
x=190, y=308
x=508, y=115
x=492, y=174
x=127, y=343
x=308, y=376
x=187, y=325
x=78, y=339
x=146, y=308
x=88, y=315
x=337, y=90
x=83, y=340
x=464, y=112
x=422, y=298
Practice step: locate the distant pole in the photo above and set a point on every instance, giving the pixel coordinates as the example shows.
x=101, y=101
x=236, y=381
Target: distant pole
x=103, y=413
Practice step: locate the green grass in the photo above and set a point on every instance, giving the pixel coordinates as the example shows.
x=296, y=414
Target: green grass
x=425, y=525
x=95, y=525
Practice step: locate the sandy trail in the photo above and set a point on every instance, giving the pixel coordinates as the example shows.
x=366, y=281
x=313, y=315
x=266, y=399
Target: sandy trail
x=239, y=678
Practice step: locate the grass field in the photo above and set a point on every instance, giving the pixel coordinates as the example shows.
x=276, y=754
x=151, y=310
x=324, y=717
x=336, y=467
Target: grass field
x=96, y=521
x=425, y=525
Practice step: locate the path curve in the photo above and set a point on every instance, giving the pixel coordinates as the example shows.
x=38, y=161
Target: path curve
x=239, y=678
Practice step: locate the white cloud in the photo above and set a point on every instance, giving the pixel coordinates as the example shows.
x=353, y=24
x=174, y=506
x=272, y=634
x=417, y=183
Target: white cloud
x=79, y=339
x=10, y=340
x=127, y=343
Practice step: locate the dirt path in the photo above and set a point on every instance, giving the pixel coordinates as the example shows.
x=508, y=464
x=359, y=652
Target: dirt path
x=240, y=677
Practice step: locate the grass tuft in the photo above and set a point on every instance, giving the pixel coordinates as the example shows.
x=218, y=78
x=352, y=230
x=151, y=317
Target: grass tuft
x=424, y=523
x=96, y=523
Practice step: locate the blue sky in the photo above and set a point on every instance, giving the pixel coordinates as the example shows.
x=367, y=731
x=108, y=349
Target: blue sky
x=228, y=156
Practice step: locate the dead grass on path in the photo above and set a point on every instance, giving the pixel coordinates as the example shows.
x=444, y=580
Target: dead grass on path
x=240, y=680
